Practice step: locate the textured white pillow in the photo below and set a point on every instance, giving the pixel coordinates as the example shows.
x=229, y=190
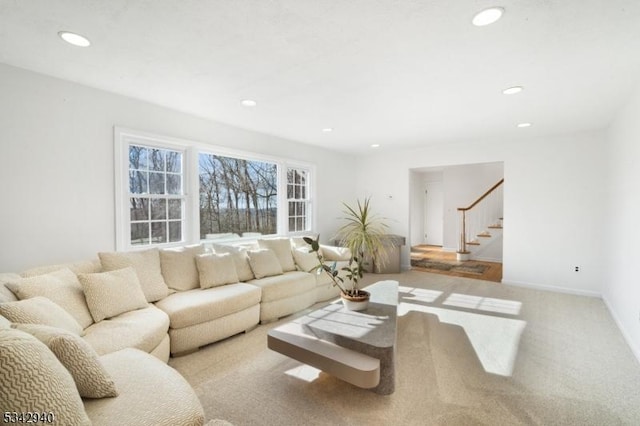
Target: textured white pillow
x=40, y=310
x=241, y=260
x=335, y=253
x=5, y=294
x=282, y=248
x=147, y=266
x=33, y=380
x=112, y=293
x=216, y=270
x=79, y=358
x=264, y=263
x=61, y=287
x=306, y=261
x=179, y=267
x=4, y=323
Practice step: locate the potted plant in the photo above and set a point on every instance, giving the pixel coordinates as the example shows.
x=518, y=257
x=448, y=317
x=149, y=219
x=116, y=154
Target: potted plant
x=363, y=234
x=353, y=298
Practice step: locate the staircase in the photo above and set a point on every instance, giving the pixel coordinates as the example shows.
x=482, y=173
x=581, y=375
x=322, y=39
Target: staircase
x=480, y=223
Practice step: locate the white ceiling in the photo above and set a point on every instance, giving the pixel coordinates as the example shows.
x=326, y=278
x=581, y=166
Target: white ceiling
x=400, y=73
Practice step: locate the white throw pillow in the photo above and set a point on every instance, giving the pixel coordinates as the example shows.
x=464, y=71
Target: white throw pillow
x=179, y=267
x=61, y=287
x=307, y=261
x=146, y=264
x=240, y=258
x=335, y=253
x=216, y=270
x=79, y=358
x=264, y=263
x=40, y=310
x=33, y=380
x=282, y=248
x=112, y=293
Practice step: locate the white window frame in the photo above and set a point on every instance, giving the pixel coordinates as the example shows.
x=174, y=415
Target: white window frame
x=123, y=137
x=308, y=201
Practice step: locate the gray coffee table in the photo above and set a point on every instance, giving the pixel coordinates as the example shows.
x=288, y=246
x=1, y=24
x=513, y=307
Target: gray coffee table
x=355, y=346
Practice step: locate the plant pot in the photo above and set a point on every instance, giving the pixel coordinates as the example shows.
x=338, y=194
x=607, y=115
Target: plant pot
x=358, y=302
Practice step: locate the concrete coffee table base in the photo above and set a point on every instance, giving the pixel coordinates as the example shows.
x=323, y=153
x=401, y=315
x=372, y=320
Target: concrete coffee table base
x=357, y=347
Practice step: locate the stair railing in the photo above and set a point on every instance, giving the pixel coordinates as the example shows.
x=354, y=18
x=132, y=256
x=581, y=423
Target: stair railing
x=483, y=212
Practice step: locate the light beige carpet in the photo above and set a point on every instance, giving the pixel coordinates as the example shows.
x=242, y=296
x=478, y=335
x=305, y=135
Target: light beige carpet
x=469, y=352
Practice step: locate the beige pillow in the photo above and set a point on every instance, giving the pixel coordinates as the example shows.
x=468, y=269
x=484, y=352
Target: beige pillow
x=82, y=267
x=216, y=270
x=112, y=293
x=40, y=310
x=282, y=248
x=33, y=380
x=264, y=263
x=5, y=294
x=306, y=261
x=4, y=323
x=61, y=287
x=179, y=267
x=80, y=359
x=335, y=253
x=241, y=260
x=147, y=266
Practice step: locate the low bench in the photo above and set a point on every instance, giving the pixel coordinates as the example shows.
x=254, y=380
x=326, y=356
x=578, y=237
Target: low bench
x=353, y=367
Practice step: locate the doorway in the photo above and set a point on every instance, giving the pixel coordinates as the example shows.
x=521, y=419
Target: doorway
x=433, y=214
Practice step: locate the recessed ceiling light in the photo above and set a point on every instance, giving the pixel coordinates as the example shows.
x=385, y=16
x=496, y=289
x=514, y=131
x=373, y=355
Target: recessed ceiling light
x=248, y=102
x=522, y=125
x=327, y=129
x=375, y=145
x=75, y=39
x=487, y=16
x=513, y=90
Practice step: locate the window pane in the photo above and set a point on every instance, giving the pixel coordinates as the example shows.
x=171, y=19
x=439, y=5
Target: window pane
x=139, y=208
x=156, y=183
x=175, y=232
x=158, y=232
x=174, y=184
x=237, y=195
x=138, y=182
x=138, y=157
x=300, y=224
x=296, y=193
x=303, y=192
x=158, y=209
x=157, y=160
x=139, y=233
x=174, y=162
x=289, y=191
x=175, y=209
x=292, y=224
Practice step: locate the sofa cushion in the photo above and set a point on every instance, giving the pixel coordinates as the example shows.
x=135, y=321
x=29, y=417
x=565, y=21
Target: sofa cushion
x=198, y=306
x=286, y=285
x=4, y=323
x=240, y=258
x=7, y=295
x=282, y=248
x=306, y=261
x=112, y=293
x=147, y=266
x=335, y=253
x=33, y=380
x=151, y=393
x=216, y=270
x=62, y=287
x=143, y=329
x=79, y=358
x=179, y=267
x=264, y=263
x=82, y=267
x=40, y=310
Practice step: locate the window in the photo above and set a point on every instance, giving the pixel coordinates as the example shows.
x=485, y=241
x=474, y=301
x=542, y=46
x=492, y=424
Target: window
x=173, y=192
x=156, y=196
x=237, y=196
x=298, y=199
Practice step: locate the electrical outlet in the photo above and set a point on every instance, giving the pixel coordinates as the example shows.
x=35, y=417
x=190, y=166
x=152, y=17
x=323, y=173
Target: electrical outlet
x=577, y=269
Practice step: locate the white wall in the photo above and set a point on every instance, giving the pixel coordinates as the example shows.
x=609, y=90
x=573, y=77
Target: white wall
x=622, y=289
x=553, y=206
x=57, y=174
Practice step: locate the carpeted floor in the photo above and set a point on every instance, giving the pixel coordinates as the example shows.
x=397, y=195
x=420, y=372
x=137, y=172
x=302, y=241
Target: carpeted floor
x=469, y=353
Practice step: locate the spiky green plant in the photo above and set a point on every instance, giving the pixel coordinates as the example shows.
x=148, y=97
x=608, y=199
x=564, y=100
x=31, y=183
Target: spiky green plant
x=363, y=233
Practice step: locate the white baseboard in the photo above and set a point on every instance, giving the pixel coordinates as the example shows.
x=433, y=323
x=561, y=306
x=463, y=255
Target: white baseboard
x=632, y=345
x=552, y=288
x=487, y=259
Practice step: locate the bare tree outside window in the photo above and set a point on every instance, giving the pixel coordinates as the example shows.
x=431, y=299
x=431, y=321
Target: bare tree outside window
x=237, y=196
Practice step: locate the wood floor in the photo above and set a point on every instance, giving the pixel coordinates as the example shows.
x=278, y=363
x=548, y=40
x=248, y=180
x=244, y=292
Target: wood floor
x=492, y=272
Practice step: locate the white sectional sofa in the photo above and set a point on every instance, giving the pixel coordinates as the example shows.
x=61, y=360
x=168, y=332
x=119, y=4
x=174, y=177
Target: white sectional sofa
x=135, y=309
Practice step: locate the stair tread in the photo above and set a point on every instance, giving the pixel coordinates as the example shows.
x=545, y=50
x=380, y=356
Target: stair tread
x=487, y=235
x=473, y=243
x=495, y=227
